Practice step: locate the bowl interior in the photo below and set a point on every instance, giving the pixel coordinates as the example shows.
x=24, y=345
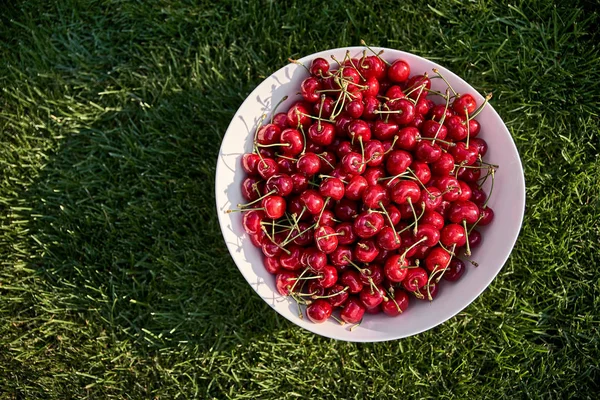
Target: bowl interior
x=507, y=201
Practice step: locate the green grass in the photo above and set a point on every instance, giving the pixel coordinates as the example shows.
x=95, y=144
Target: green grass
x=115, y=282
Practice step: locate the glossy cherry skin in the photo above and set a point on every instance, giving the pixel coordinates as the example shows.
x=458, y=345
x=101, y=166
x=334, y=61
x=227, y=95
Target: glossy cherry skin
x=421, y=171
x=388, y=240
x=333, y=188
x=284, y=281
x=487, y=215
x=274, y=206
x=478, y=196
x=437, y=259
x=368, y=224
x=280, y=184
x=463, y=210
x=359, y=130
x=353, y=163
x=415, y=279
x=465, y=101
x=300, y=183
x=405, y=190
x=450, y=187
x=319, y=311
x=455, y=270
x=470, y=175
x=325, y=239
x=353, y=311
x=481, y=145
x=341, y=125
x=457, y=129
x=338, y=294
x=429, y=233
x=312, y=200
x=322, y=134
x=464, y=155
x=399, y=71
x=315, y=259
x=347, y=233
x=250, y=163
x=465, y=191
x=427, y=152
x=373, y=174
x=309, y=164
x=346, y=210
x=431, y=198
x=372, y=273
x=428, y=292
x=356, y=187
x=398, y=162
x=292, y=142
x=385, y=130
x=408, y=138
x=272, y=265
x=280, y=119
x=309, y=88
x=267, y=167
x=372, y=87
x=319, y=67
x=375, y=196
x=327, y=217
x=329, y=276
x=252, y=221
x=365, y=251
x=396, y=306
x=394, y=93
x=257, y=238
x=372, y=67
x=453, y=234
x=268, y=134
x=371, y=297
x=324, y=107
x=374, y=153
x=298, y=115
x=340, y=256
x=416, y=82
x=433, y=218
x=291, y=261
x=395, y=268
x=432, y=128
x=252, y=188
x=351, y=279
x=475, y=239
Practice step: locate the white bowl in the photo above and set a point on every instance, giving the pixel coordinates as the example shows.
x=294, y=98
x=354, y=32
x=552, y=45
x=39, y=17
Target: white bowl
x=508, y=202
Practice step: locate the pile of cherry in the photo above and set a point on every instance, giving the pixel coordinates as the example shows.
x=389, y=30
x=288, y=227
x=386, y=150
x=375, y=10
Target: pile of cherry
x=365, y=191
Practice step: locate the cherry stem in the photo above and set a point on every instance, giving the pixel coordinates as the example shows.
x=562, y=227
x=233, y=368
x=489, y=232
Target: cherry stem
x=284, y=98
x=323, y=97
x=415, y=244
x=323, y=176
x=392, y=145
x=441, y=123
x=232, y=210
x=362, y=42
x=353, y=327
x=326, y=160
x=447, y=265
x=339, y=321
x=468, y=128
x=475, y=224
x=435, y=71
x=480, y=109
x=328, y=296
x=418, y=180
x=390, y=221
x=299, y=278
x=303, y=137
x=298, y=63
x=414, y=214
x=317, y=118
x=257, y=200
x=361, y=270
x=289, y=240
x=434, y=92
x=409, y=226
x=492, y=172
x=274, y=242
x=331, y=234
x=391, y=297
x=354, y=66
x=392, y=177
x=435, y=139
x=273, y=145
x=468, y=252
x=321, y=213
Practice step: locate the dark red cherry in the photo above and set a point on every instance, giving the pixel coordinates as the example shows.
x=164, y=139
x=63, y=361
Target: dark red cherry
x=397, y=306
x=437, y=259
x=399, y=71
x=250, y=163
x=356, y=187
x=466, y=101
x=353, y=311
x=309, y=88
x=455, y=270
x=280, y=184
x=453, y=234
x=415, y=279
x=319, y=311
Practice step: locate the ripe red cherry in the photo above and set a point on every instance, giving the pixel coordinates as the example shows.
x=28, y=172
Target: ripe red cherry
x=356, y=187
x=351, y=279
x=427, y=151
x=465, y=191
x=453, y=234
x=429, y=233
x=478, y=196
x=300, y=182
x=325, y=239
x=252, y=221
x=272, y=265
x=284, y=281
x=437, y=259
x=371, y=105
x=464, y=155
x=372, y=66
x=397, y=306
x=481, y=145
x=353, y=311
x=268, y=134
x=252, y=188
x=414, y=85
x=280, y=120
x=463, y=211
x=444, y=165
x=292, y=142
x=312, y=200
x=353, y=163
x=398, y=161
x=319, y=311
x=372, y=87
x=424, y=106
x=487, y=215
x=408, y=138
x=399, y=71
x=324, y=107
x=328, y=275
x=374, y=153
x=421, y=171
x=415, y=279
x=309, y=88
x=374, y=196
x=250, y=163
x=328, y=162
x=372, y=273
x=434, y=219
x=455, y=270
x=432, y=198
x=309, y=164
x=340, y=256
x=440, y=111
x=373, y=174
x=274, y=206
x=387, y=239
x=475, y=239
x=431, y=128
x=341, y=125
x=280, y=184
x=427, y=292
x=359, y=130
x=297, y=115
x=319, y=67
x=395, y=268
x=291, y=260
x=457, y=129
x=322, y=134
x=332, y=187
x=465, y=101
x=368, y=224
x=340, y=173
x=286, y=165
x=418, y=121
x=338, y=295
x=346, y=210
x=267, y=167
x=347, y=233
x=385, y=130
x=327, y=217
x=449, y=187
x=371, y=297
x=405, y=190
x=315, y=259
x=469, y=174
x=315, y=289
x=405, y=111
x=365, y=251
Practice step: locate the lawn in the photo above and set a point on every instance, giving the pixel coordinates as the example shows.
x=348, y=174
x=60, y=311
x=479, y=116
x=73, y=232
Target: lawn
x=115, y=281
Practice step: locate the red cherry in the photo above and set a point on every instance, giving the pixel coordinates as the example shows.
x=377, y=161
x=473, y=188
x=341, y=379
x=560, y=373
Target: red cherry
x=465, y=191
x=267, y=167
x=332, y=187
x=371, y=104
x=292, y=142
x=319, y=311
x=478, y=196
x=474, y=128
x=449, y=187
x=457, y=129
x=347, y=233
x=427, y=151
x=312, y=200
x=284, y=281
x=356, y=187
x=280, y=120
x=266, y=152
x=396, y=306
x=324, y=108
x=340, y=173
x=274, y=206
x=432, y=198
x=315, y=289
x=353, y=311
x=453, y=234
x=372, y=273
x=338, y=296
x=368, y=224
x=353, y=163
x=327, y=217
x=437, y=259
x=319, y=67
x=417, y=122
x=365, y=251
x=414, y=85
x=329, y=276
x=354, y=108
x=475, y=239
x=252, y=221
x=408, y=138
x=309, y=164
x=370, y=297
x=374, y=153
x=298, y=115
x=405, y=111
x=443, y=166
x=359, y=130
x=428, y=232
x=328, y=163
x=421, y=171
x=252, y=188
x=398, y=162
x=268, y=134
x=465, y=101
x=322, y=134
x=326, y=239
x=351, y=279
x=428, y=292
x=440, y=111
x=309, y=88
x=399, y=71
x=300, y=183
x=487, y=215
x=272, y=265
x=346, y=210
x=375, y=195
x=297, y=207
x=340, y=256
x=455, y=270
x=385, y=130
x=303, y=234
x=291, y=260
x=431, y=128
x=250, y=163
x=372, y=66
x=434, y=219
x=424, y=106
x=415, y=279
x=464, y=155
x=341, y=125
x=395, y=268
x=405, y=190
x=395, y=93
x=280, y=184
x=463, y=211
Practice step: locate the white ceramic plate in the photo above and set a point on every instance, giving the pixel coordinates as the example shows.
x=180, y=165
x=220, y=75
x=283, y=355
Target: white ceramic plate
x=508, y=202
